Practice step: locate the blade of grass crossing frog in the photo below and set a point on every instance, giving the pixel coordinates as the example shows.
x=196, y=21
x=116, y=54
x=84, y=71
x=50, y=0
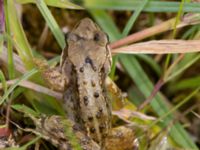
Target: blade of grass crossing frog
x=24, y=77
x=144, y=84
x=51, y=23
x=152, y=6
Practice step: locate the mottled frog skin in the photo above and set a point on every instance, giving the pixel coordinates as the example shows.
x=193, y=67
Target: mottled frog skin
x=86, y=63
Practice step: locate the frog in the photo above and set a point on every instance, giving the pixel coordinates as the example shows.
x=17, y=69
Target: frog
x=84, y=66
x=86, y=62
x=82, y=75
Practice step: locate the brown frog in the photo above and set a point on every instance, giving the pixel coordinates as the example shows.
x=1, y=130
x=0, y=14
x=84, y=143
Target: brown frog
x=86, y=62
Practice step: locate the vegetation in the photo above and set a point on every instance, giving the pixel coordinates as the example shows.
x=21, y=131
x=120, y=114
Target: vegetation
x=160, y=74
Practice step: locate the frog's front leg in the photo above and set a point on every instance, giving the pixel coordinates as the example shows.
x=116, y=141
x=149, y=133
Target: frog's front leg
x=52, y=76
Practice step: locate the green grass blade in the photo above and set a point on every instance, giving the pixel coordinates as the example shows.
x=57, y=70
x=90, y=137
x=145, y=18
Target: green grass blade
x=54, y=3
x=133, y=18
x=189, y=34
x=24, y=77
x=151, y=62
x=51, y=23
x=2, y=24
x=176, y=107
x=183, y=68
x=152, y=6
x=3, y=81
x=11, y=69
x=186, y=84
x=21, y=44
x=25, y=147
x=178, y=16
x=25, y=109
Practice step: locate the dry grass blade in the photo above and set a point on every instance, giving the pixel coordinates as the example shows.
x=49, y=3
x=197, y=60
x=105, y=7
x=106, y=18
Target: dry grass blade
x=19, y=66
x=35, y=87
x=160, y=47
x=188, y=19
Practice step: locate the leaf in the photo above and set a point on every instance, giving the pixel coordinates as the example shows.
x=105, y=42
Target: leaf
x=152, y=6
x=186, y=83
x=20, y=42
x=24, y=77
x=25, y=109
x=3, y=80
x=133, y=18
x=54, y=3
x=51, y=23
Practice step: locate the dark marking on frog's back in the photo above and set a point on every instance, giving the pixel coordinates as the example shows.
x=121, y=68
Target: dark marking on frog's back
x=81, y=69
x=101, y=127
x=98, y=115
x=96, y=94
x=88, y=60
x=93, y=83
x=90, y=118
x=85, y=98
x=92, y=130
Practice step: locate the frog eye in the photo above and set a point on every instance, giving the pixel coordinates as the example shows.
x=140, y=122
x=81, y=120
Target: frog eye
x=96, y=37
x=73, y=37
x=100, y=38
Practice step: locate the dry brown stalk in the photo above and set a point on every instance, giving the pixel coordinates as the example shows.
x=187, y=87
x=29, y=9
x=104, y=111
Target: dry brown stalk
x=161, y=47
